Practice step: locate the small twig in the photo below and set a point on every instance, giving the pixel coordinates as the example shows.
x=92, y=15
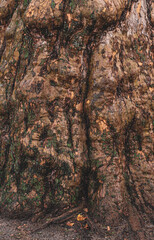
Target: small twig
x=59, y=219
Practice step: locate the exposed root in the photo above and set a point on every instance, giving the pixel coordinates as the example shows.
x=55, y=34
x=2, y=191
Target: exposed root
x=60, y=219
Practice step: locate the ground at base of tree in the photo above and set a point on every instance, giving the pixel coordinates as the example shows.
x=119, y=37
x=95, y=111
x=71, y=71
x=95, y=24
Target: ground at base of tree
x=11, y=229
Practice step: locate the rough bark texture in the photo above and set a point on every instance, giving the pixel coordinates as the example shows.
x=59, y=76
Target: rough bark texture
x=76, y=108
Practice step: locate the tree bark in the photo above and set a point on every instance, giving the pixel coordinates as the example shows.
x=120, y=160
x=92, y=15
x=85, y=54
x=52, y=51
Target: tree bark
x=76, y=108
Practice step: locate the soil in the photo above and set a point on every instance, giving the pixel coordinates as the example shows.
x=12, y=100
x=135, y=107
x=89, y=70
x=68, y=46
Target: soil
x=11, y=229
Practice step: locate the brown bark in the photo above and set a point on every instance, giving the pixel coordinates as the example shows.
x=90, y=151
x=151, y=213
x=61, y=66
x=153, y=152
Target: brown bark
x=76, y=108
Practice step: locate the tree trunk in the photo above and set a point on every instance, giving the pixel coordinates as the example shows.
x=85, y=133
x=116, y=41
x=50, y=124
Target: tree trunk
x=76, y=108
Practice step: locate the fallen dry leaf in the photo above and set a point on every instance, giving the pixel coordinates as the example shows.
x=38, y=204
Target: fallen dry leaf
x=80, y=217
x=19, y=227
x=70, y=224
x=85, y=209
x=100, y=181
x=86, y=226
x=108, y=228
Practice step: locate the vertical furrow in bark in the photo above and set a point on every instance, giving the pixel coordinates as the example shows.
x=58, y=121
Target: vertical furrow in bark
x=76, y=109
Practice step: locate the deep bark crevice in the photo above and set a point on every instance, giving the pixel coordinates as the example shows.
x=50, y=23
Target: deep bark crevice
x=86, y=171
x=149, y=9
x=83, y=129
x=3, y=169
x=29, y=41
x=2, y=48
x=17, y=68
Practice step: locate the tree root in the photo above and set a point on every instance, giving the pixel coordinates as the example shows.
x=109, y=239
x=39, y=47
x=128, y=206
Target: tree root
x=59, y=219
